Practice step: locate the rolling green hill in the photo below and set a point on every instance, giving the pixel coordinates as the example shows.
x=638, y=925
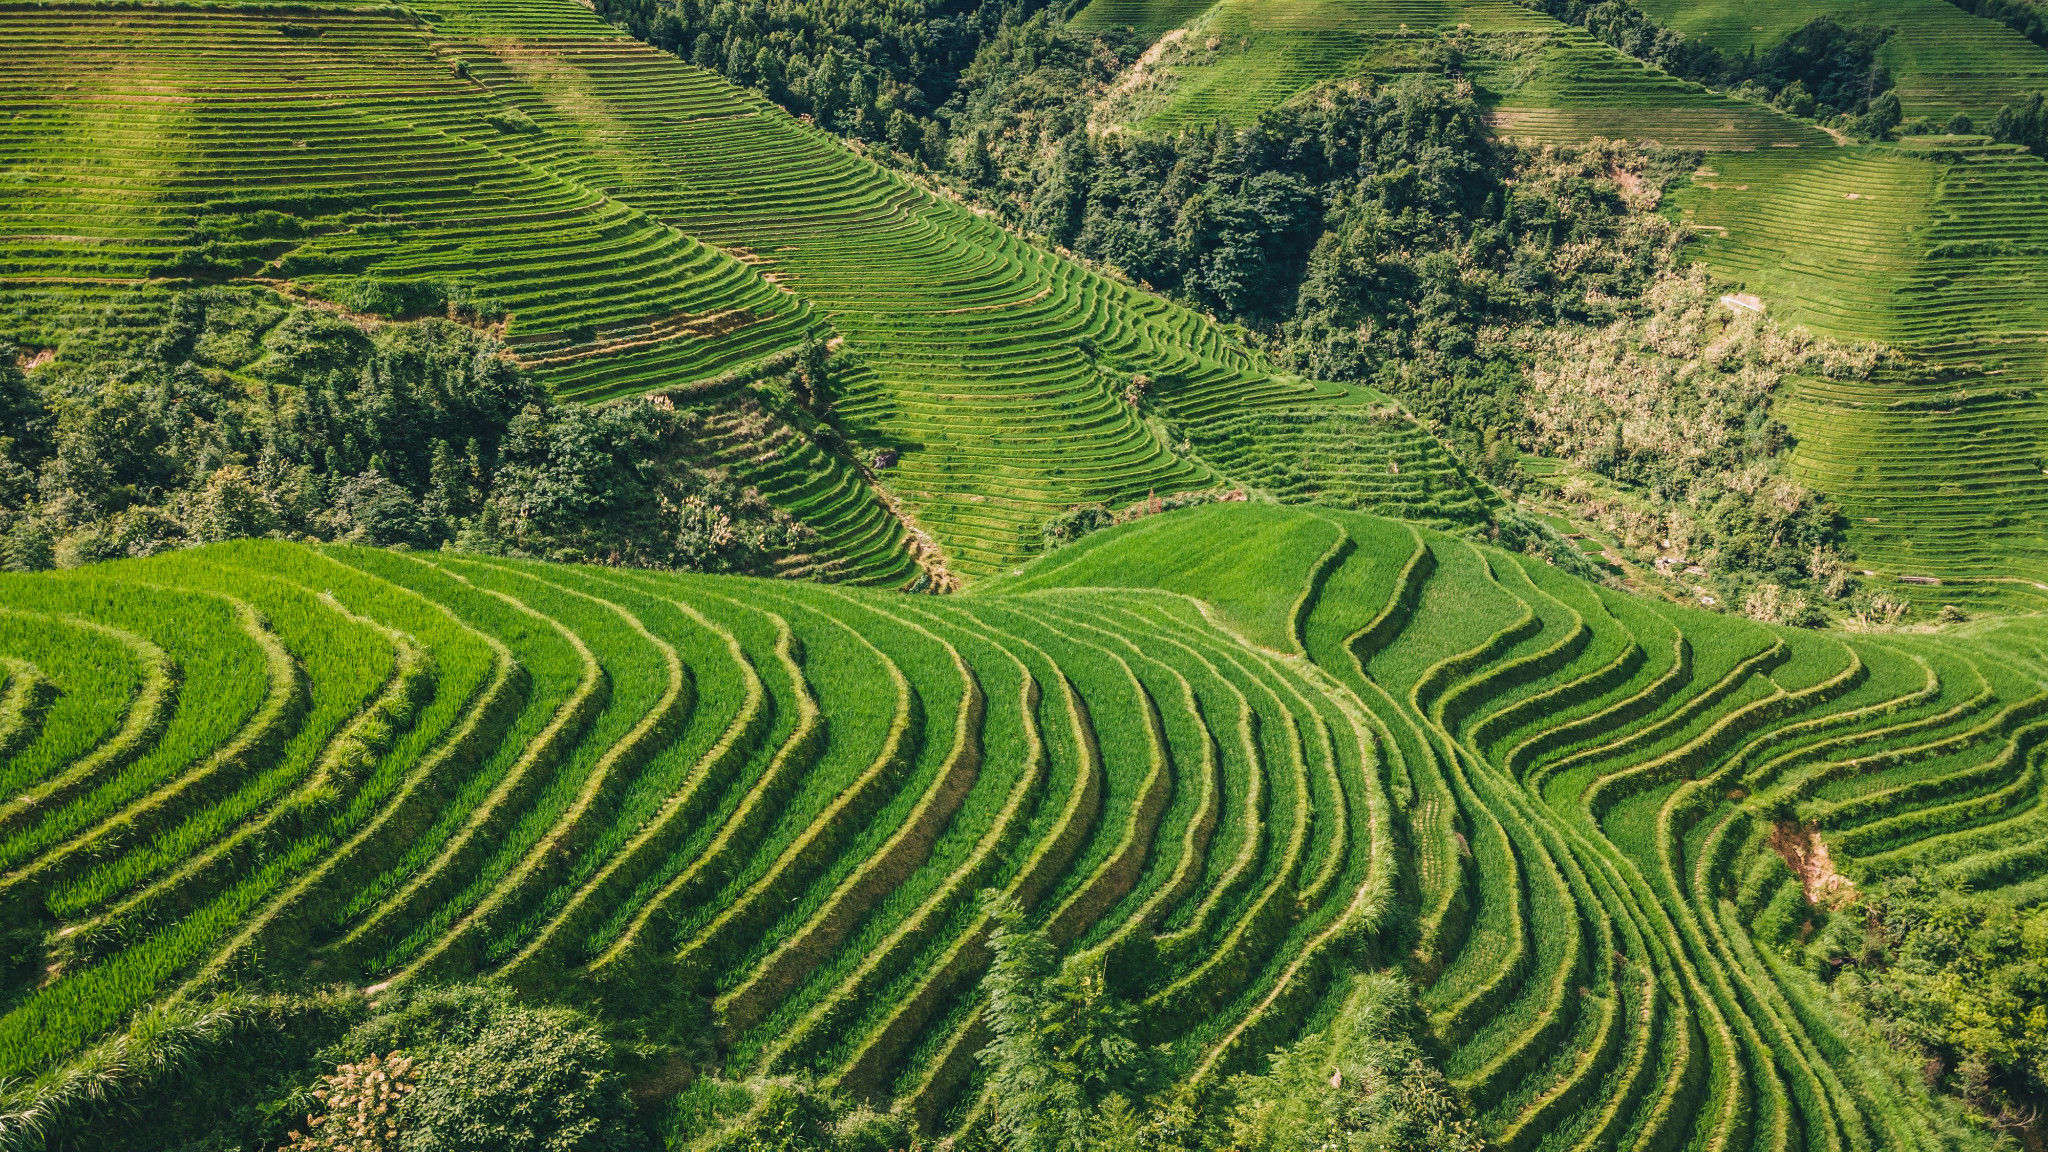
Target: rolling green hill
x=1238, y=758
x=628, y=223
x=1931, y=246
x=1943, y=59
x=1240, y=752
x=1541, y=80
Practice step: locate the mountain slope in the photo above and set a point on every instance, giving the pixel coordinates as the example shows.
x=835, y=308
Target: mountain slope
x=633, y=223
x=1943, y=59
x=1540, y=79
x=1235, y=752
x=1933, y=247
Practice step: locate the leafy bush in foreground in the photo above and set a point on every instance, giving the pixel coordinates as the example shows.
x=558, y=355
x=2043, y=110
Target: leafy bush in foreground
x=484, y=1071
x=1360, y=1085
x=1959, y=978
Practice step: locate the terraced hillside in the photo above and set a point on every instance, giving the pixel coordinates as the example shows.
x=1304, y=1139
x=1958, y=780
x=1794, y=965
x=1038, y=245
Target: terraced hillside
x=631, y=223
x=338, y=155
x=1942, y=59
x=1239, y=751
x=1934, y=247
x=1542, y=80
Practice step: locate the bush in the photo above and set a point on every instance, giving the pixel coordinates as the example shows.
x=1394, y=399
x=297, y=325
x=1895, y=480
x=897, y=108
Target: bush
x=362, y=1102
x=1075, y=523
x=1360, y=1085
x=2026, y=125
x=229, y=507
x=482, y=1071
x=397, y=299
x=29, y=546
x=1062, y=1046
x=1884, y=115
x=528, y=1082
x=370, y=509
x=1082, y=519
x=1957, y=978
x=613, y=484
x=1517, y=530
x=511, y=120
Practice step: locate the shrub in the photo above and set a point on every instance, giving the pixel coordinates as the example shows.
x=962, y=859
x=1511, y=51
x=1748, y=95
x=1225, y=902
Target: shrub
x=1836, y=63
x=1361, y=1084
x=362, y=1102
x=371, y=509
x=2026, y=125
x=1075, y=523
x=1062, y=1042
x=393, y=298
x=613, y=484
x=511, y=120
x=480, y=1070
x=1884, y=115
x=529, y=1082
x=1955, y=977
x=1513, y=528
x=229, y=507
x=1082, y=519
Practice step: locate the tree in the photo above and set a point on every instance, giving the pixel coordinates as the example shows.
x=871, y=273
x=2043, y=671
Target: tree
x=1959, y=978
x=1360, y=1085
x=1062, y=1041
x=1884, y=115
x=2025, y=125
x=810, y=381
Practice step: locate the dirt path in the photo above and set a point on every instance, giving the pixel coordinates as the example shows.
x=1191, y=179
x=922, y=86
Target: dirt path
x=1136, y=73
x=1807, y=854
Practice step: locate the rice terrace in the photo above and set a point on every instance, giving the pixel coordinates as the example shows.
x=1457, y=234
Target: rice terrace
x=1023, y=575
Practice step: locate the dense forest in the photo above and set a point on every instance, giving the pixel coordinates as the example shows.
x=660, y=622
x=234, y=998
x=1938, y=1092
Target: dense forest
x=242, y=416
x=1376, y=232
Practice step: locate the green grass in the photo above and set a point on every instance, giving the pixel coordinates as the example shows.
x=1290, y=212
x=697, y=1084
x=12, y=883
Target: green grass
x=1241, y=749
x=1929, y=246
x=1540, y=80
x=1942, y=59
x=658, y=230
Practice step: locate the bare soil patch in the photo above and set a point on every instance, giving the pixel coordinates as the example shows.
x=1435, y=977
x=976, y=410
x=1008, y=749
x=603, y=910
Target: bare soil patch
x=1807, y=855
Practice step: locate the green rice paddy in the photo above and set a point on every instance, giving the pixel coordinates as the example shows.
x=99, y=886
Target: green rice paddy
x=1942, y=59
x=1242, y=751
x=629, y=224
x=1541, y=80
x=1933, y=247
